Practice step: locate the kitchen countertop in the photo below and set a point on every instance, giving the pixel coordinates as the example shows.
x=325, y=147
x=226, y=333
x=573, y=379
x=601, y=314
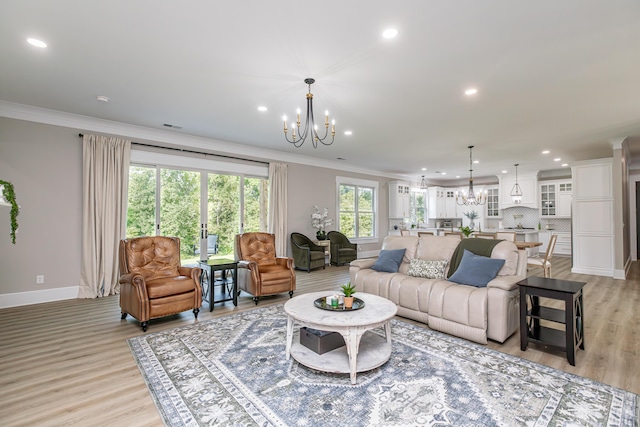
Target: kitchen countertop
x=513, y=230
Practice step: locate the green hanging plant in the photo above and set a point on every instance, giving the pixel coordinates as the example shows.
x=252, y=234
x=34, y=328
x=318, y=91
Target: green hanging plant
x=10, y=196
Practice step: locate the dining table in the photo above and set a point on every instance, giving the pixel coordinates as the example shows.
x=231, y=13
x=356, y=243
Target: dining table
x=527, y=245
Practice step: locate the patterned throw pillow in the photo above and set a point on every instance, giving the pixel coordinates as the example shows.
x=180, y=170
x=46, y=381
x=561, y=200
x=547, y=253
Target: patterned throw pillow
x=427, y=269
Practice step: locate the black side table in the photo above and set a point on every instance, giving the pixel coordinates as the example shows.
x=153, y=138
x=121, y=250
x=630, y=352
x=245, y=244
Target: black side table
x=572, y=337
x=212, y=265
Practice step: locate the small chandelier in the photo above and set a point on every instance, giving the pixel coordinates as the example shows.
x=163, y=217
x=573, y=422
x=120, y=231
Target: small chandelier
x=423, y=183
x=516, y=191
x=470, y=199
x=310, y=127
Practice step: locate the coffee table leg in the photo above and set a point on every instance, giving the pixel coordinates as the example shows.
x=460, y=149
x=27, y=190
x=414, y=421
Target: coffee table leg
x=289, y=337
x=387, y=332
x=352, y=341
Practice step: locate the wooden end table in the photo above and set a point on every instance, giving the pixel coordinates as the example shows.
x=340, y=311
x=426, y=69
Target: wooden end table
x=572, y=317
x=220, y=264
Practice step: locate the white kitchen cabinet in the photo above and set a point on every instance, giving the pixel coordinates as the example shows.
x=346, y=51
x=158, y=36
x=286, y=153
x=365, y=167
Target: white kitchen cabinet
x=563, y=243
x=548, y=199
x=493, y=202
x=528, y=184
x=399, y=199
x=565, y=195
x=442, y=203
x=555, y=199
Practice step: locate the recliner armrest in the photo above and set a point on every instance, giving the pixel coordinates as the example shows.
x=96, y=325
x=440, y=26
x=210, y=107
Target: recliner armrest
x=134, y=279
x=363, y=263
x=505, y=282
x=249, y=265
x=288, y=262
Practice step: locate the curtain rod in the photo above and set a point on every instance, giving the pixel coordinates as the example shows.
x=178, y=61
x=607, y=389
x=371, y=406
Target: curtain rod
x=194, y=152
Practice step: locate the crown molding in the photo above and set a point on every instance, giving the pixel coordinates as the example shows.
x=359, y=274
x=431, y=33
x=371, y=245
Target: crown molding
x=134, y=132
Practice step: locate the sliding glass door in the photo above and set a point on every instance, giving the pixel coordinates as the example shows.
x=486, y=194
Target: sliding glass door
x=204, y=209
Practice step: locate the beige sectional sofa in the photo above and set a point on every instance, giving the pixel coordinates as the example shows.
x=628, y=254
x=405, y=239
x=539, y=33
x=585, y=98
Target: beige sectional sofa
x=473, y=313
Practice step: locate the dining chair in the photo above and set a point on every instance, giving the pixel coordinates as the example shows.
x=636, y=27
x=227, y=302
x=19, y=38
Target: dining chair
x=457, y=234
x=484, y=235
x=405, y=233
x=545, y=262
x=506, y=235
x=426, y=233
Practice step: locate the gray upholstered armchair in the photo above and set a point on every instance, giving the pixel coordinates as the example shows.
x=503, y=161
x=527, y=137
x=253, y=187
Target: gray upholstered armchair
x=306, y=254
x=342, y=250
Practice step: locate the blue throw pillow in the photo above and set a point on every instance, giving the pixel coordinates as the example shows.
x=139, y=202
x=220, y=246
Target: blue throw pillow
x=476, y=270
x=389, y=260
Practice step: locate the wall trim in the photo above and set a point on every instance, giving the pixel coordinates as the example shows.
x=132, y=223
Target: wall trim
x=38, y=297
x=135, y=132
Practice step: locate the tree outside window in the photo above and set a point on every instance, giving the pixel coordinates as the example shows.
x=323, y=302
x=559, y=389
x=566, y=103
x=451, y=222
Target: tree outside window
x=356, y=210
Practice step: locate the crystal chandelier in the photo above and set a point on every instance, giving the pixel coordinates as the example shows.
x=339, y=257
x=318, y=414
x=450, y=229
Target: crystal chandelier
x=516, y=191
x=471, y=198
x=310, y=128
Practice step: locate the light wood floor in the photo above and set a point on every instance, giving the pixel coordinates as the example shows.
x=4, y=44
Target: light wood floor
x=68, y=363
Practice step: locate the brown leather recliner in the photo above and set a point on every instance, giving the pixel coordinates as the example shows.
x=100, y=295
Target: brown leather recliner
x=260, y=272
x=152, y=282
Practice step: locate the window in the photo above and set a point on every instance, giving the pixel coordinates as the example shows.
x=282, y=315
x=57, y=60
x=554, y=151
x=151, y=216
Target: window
x=184, y=197
x=357, y=208
x=418, y=206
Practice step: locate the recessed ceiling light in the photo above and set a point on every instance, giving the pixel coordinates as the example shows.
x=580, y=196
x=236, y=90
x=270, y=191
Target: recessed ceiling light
x=564, y=165
x=504, y=171
x=471, y=91
x=262, y=108
x=389, y=33
x=546, y=152
x=443, y=173
x=36, y=42
x=476, y=162
x=457, y=176
x=557, y=159
x=348, y=132
x=102, y=98
x=424, y=169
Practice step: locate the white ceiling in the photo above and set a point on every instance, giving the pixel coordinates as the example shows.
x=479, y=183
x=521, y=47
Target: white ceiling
x=562, y=75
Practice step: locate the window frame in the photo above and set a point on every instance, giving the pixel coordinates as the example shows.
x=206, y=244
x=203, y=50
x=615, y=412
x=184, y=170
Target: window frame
x=360, y=183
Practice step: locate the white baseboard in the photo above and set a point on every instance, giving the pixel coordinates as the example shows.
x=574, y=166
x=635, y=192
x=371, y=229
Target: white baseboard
x=38, y=297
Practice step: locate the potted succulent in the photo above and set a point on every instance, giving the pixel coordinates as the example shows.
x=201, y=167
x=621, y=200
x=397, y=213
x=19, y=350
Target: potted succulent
x=348, y=290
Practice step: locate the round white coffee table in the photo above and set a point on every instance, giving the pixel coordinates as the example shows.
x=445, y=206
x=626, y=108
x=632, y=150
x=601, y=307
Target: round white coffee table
x=362, y=352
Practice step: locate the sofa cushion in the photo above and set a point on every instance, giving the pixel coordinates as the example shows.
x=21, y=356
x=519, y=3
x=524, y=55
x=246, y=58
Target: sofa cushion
x=427, y=269
x=476, y=270
x=437, y=247
x=399, y=242
x=389, y=260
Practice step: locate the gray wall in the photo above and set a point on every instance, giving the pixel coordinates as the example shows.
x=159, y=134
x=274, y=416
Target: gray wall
x=310, y=186
x=44, y=164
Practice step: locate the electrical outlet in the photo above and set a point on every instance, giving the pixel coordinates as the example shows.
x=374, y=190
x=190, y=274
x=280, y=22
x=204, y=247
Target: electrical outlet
x=40, y=279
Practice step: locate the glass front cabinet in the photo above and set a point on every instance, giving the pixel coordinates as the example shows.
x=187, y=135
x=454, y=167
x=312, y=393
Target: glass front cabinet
x=493, y=202
x=548, y=199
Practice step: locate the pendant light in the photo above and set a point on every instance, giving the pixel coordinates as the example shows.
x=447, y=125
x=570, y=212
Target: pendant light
x=516, y=191
x=471, y=199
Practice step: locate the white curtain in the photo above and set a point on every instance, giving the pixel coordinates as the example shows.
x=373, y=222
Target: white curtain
x=278, y=206
x=105, y=180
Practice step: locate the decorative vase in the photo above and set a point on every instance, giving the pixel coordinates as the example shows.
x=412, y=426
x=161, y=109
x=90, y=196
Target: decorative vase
x=348, y=302
x=472, y=225
x=321, y=236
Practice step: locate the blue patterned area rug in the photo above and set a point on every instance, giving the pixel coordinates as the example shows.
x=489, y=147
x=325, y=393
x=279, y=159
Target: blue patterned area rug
x=232, y=371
